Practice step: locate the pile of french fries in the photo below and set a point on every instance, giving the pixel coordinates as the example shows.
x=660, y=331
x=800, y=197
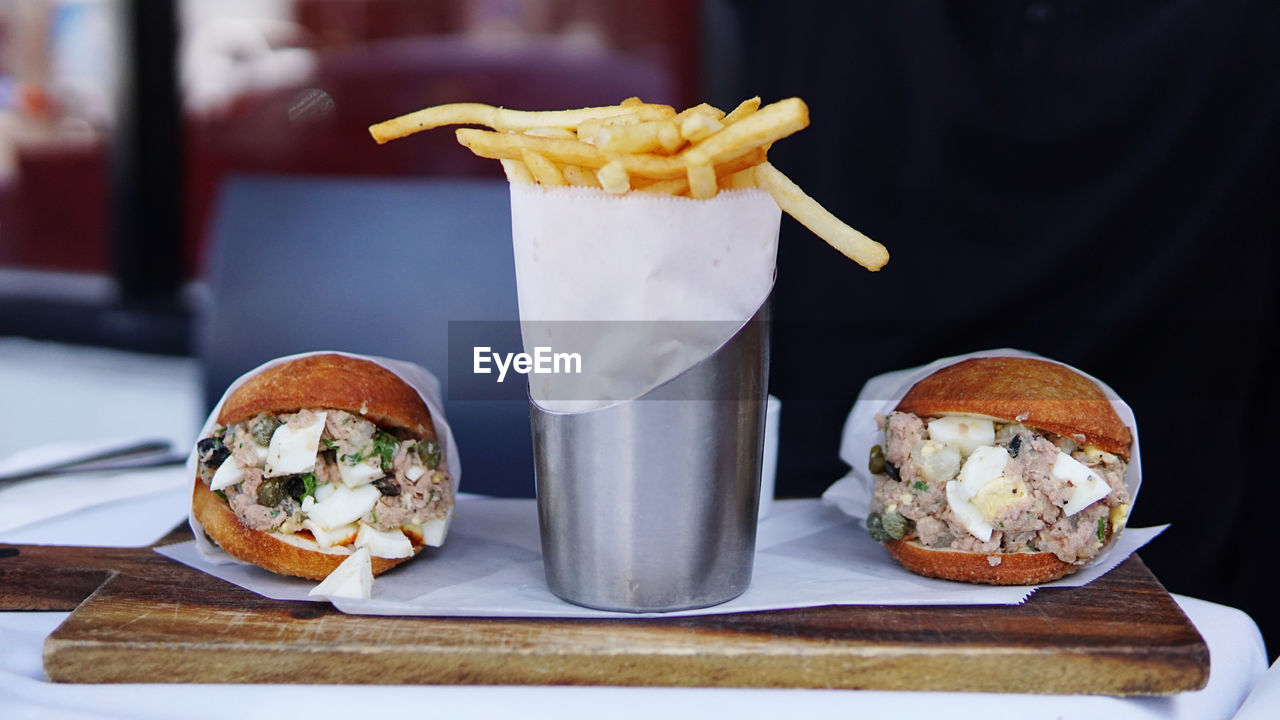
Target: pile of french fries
x=636, y=146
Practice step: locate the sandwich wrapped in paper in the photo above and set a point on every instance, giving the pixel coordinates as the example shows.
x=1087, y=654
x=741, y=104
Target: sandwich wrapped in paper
x=313, y=459
x=999, y=468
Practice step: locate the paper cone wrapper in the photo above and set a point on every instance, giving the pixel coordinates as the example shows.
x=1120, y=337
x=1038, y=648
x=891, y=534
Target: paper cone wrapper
x=419, y=378
x=642, y=286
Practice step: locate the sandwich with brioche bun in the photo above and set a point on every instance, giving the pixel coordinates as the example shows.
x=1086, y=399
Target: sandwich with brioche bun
x=1000, y=470
x=318, y=458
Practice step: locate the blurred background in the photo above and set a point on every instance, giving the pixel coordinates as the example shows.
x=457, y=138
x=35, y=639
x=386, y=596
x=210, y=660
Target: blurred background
x=1089, y=180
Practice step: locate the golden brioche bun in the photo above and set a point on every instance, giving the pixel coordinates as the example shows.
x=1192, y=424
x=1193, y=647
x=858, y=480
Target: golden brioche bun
x=333, y=382
x=1023, y=568
x=301, y=557
x=321, y=382
x=1040, y=394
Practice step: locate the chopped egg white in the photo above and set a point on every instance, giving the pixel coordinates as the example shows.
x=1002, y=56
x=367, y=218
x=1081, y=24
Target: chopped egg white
x=359, y=474
x=327, y=538
x=966, y=496
x=1087, y=486
x=228, y=473
x=351, y=579
x=967, y=513
x=325, y=491
x=293, y=450
x=414, y=472
x=984, y=465
x=262, y=451
x=342, y=506
x=435, y=529
x=966, y=432
x=384, y=543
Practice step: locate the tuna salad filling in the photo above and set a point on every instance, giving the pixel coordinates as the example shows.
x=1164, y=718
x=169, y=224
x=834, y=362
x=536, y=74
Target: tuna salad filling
x=980, y=485
x=332, y=477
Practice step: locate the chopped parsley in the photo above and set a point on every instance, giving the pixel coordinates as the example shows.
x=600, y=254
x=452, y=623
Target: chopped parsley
x=1102, y=529
x=384, y=445
x=920, y=486
x=308, y=486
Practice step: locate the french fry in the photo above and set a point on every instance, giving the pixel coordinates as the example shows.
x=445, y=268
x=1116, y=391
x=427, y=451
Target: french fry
x=858, y=247
x=575, y=175
x=680, y=185
x=614, y=178
x=704, y=109
x=589, y=129
x=768, y=124
x=701, y=174
x=740, y=180
x=636, y=146
x=497, y=145
x=745, y=108
x=552, y=132
x=643, y=137
x=505, y=119
x=670, y=186
x=543, y=170
x=516, y=171
x=699, y=126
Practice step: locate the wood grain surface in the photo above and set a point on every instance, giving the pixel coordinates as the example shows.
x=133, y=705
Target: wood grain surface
x=140, y=617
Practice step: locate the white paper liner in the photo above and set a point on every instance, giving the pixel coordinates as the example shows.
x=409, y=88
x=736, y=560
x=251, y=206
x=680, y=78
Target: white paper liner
x=881, y=394
x=808, y=554
x=419, y=378
x=683, y=274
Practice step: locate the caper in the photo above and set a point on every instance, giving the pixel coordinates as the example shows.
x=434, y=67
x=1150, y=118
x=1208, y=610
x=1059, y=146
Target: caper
x=429, y=452
x=263, y=428
x=876, y=463
x=875, y=527
x=895, y=525
x=272, y=492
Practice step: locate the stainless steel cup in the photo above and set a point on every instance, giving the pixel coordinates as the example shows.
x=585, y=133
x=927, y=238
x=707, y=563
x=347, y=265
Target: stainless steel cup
x=650, y=505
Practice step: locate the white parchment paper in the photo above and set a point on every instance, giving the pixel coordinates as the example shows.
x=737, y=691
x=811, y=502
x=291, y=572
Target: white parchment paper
x=808, y=554
x=643, y=286
x=419, y=378
x=852, y=493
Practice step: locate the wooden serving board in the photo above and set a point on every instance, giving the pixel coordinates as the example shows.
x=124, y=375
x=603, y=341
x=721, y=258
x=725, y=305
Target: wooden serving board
x=140, y=617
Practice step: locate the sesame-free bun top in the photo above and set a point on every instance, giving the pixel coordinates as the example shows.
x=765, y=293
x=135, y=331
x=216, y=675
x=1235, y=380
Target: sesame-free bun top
x=331, y=381
x=1037, y=393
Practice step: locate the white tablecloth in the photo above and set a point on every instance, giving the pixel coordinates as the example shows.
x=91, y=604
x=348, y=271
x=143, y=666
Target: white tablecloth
x=1237, y=654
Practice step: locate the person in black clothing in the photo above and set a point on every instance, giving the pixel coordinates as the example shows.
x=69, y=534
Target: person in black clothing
x=1093, y=181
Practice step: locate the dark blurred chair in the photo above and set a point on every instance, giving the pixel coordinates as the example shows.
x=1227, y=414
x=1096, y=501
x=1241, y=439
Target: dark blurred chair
x=378, y=267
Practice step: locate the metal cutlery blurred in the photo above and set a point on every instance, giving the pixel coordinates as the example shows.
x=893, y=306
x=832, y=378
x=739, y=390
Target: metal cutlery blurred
x=142, y=454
